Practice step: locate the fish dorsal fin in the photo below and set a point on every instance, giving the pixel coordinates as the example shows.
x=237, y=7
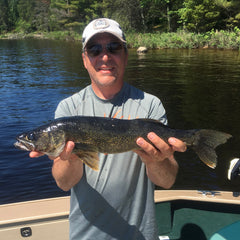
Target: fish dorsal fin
x=149, y=120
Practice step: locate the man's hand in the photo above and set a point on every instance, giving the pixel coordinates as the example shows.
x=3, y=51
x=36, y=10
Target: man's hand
x=67, y=168
x=159, y=159
x=67, y=152
x=162, y=150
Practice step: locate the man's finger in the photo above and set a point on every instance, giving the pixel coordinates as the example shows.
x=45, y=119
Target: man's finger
x=34, y=154
x=160, y=144
x=67, y=150
x=177, y=144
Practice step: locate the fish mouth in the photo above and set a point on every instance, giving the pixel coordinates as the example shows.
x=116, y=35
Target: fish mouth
x=24, y=145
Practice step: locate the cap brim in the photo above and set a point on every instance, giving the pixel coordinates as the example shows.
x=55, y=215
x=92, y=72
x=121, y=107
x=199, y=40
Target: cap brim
x=101, y=32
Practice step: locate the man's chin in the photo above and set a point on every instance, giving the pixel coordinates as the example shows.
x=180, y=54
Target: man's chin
x=107, y=81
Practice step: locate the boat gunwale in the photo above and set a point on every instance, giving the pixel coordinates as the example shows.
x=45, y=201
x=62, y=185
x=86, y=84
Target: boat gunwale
x=35, y=210
x=58, y=208
x=224, y=197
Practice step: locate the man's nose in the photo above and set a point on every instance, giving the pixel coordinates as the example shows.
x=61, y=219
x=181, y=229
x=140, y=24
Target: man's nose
x=105, y=55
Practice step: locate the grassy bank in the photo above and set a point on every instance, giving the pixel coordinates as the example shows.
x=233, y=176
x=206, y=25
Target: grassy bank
x=180, y=39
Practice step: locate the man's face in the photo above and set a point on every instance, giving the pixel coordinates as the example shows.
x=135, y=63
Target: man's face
x=106, y=64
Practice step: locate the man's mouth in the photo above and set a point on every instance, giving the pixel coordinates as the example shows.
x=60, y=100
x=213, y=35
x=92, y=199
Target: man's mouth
x=106, y=69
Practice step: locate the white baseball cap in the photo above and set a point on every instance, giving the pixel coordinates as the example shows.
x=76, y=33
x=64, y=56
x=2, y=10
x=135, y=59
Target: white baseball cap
x=102, y=25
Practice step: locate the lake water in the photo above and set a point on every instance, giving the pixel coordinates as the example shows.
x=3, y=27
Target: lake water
x=199, y=89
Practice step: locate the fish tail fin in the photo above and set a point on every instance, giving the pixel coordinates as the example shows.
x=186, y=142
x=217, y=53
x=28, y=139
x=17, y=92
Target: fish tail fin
x=205, y=143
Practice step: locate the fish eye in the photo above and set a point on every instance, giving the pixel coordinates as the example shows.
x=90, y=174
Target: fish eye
x=30, y=137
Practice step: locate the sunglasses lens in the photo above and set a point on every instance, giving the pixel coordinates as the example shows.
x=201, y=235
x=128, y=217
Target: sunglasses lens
x=114, y=47
x=94, y=50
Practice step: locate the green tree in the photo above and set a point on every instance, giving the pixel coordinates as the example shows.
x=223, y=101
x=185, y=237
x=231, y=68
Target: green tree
x=155, y=14
x=12, y=13
x=40, y=20
x=91, y=9
x=230, y=13
x=159, y=15
x=64, y=14
x=4, y=16
x=126, y=12
x=25, y=12
x=199, y=15
x=133, y=15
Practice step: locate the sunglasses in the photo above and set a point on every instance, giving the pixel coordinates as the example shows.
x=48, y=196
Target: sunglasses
x=94, y=50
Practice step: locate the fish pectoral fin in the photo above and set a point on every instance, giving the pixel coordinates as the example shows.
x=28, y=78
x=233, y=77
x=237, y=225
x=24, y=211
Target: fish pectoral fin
x=84, y=147
x=88, y=154
x=91, y=159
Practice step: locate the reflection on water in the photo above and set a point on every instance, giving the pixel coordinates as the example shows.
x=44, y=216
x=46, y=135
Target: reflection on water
x=199, y=89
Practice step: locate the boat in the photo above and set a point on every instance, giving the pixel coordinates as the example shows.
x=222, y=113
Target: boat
x=181, y=214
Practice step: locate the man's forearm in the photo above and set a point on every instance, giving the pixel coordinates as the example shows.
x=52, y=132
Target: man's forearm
x=67, y=169
x=67, y=173
x=163, y=173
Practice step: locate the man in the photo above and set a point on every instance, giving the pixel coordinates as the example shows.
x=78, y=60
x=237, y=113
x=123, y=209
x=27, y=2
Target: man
x=116, y=202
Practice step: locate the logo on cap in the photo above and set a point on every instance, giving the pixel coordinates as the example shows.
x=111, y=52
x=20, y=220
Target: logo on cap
x=100, y=24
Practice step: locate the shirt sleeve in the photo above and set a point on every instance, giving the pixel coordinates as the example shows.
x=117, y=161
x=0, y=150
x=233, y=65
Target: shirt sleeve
x=63, y=110
x=156, y=110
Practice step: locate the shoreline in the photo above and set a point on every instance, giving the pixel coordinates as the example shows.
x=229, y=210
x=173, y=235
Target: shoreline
x=223, y=40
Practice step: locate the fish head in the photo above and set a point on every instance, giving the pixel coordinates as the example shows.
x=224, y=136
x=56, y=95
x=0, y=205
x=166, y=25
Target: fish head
x=46, y=140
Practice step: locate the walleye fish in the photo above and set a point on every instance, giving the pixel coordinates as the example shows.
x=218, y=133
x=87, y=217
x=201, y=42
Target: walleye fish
x=92, y=135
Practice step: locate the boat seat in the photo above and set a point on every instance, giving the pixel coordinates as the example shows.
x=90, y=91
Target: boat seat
x=230, y=232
